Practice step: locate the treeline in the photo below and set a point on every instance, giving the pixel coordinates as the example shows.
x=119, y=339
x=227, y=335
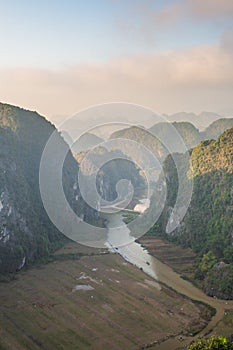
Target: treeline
x=26, y=232
x=208, y=225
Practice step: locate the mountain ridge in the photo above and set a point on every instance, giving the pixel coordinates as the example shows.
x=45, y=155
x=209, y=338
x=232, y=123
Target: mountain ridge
x=26, y=232
x=208, y=225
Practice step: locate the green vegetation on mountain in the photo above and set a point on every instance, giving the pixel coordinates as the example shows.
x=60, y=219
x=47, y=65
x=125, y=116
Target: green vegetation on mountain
x=187, y=131
x=208, y=225
x=210, y=156
x=86, y=142
x=212, y=343
x=201, y=121
x=116, y=167
x=143, y=137
x=159, y=136
x=26, y=232
x=214, y=130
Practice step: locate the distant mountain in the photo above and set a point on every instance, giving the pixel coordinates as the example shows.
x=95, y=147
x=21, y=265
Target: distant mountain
x=188, y=132
x=214, y=130
x=117, y=166
x=182, y=117
x=201, y=121
x=142, y=136
x=190, y=135
x=86, y=142
x=164, y=137
x=26, y=232
x=208, y=225
x=204, y=119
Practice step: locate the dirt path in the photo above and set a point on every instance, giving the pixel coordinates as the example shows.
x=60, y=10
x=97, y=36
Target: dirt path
x=166, y=275
x=173, y=280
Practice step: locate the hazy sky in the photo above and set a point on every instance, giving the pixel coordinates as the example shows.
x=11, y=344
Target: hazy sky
x=58, y=57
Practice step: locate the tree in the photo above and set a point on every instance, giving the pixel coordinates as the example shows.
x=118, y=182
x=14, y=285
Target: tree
x=212, y=343
x=207, y=262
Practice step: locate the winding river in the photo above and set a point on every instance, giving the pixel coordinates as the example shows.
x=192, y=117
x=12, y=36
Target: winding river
x=121, y=241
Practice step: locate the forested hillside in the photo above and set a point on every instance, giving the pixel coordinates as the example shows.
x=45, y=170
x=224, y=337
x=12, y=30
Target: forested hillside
x=190, y=135
x=201, y=121
x=161, y=135
x=26, y=233
x=208, y=225
x=117, y=168
x=214, y=130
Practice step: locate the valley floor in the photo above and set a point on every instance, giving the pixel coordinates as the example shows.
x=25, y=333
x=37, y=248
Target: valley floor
x=175, y=266
x=116, y=306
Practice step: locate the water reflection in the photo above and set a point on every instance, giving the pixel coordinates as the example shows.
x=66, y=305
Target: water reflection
x=121, y=241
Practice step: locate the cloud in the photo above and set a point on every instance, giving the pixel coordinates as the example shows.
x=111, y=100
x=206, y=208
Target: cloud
x=144, y=20
x=193, y=79
x=211, y=8
x=195, y=9
x=227, y=41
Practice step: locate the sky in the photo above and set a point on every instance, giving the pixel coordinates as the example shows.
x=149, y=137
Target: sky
x=59, y=57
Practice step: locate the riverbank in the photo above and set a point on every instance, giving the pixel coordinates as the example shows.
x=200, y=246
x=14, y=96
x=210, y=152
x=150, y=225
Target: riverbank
x=136, y=254
x=181, y=260
x=169, y=258
x=89, y=298
x=120, y=307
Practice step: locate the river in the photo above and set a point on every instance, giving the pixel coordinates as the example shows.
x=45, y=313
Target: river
x=122, y=241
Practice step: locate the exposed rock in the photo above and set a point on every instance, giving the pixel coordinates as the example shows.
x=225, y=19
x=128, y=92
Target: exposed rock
x=26, y=232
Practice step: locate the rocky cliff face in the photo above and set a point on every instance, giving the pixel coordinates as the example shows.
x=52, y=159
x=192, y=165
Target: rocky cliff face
x=208, y=225
x=119, y=167
x=13, y=205
x=26, y=232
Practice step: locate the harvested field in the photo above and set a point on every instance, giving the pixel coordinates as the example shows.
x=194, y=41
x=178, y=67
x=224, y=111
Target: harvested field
x=123, y=309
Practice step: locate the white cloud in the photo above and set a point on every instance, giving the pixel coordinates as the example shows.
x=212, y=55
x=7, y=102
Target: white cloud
x=211, y=8
x=194, y=9
x=195, y=79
